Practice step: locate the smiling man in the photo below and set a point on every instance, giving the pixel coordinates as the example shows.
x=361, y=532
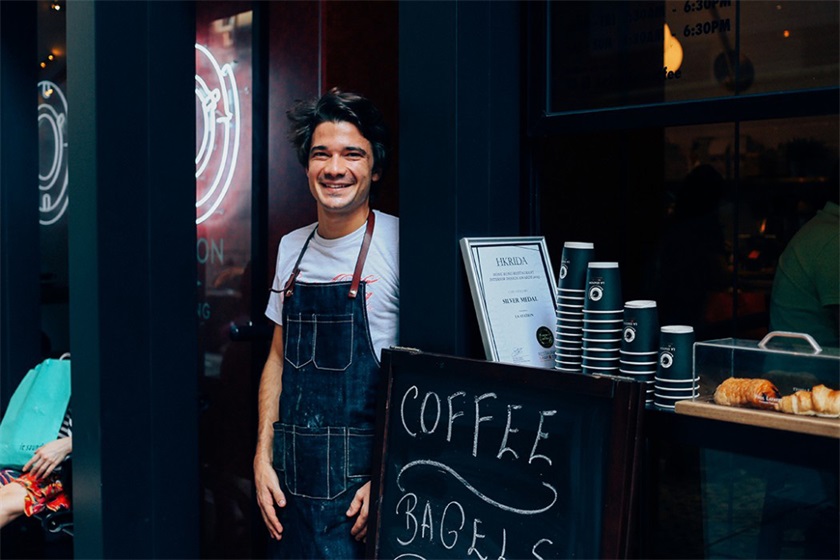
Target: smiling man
x=335, y=304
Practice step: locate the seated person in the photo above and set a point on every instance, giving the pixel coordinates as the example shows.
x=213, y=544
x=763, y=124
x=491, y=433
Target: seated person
x=806, y=289
x=41, y=484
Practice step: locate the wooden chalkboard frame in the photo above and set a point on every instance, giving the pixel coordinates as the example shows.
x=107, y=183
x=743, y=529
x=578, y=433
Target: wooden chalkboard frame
x=623, y=440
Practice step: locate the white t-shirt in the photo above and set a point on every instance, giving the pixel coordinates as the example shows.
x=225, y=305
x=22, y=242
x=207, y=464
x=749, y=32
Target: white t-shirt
x=333, y=260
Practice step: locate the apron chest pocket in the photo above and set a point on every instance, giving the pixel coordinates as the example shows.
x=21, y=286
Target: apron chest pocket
x=325, y=340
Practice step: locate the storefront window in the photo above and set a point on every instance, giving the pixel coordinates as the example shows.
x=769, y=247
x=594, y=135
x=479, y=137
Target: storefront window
x=223, y=102
x=223, y=179
x=784, y=175
x=693, y=279
x=53, y=178
x=615, y=54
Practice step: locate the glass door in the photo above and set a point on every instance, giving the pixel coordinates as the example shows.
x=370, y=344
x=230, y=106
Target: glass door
x=223, y=104
x=53, y=179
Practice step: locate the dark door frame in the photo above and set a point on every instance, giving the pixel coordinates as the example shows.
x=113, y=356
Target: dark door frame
x=133, y=278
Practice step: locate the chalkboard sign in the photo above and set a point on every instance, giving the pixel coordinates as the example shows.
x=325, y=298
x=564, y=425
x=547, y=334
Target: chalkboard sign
x=490, y=460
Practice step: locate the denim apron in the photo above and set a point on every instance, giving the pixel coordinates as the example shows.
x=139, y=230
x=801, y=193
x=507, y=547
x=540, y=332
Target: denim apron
x=323, y=443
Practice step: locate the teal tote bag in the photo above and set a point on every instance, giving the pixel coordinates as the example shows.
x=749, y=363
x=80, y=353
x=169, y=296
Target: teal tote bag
x=35, y=412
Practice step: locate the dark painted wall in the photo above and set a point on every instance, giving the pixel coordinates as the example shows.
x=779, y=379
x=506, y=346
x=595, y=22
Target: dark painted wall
x=20, y=323
x=460, y=165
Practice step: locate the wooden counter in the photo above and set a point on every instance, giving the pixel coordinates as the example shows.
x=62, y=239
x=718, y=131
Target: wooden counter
x=704, y=407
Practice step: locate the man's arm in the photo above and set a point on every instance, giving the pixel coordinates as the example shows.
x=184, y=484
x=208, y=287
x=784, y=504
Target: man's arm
x=265, y=478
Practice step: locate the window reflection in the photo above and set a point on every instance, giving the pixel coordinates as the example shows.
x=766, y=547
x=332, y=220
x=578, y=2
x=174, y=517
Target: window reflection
x=613, y=54
x=742, y=221
x=223, y=178
x=223, y=105
x=53, y=179
x=789, y=173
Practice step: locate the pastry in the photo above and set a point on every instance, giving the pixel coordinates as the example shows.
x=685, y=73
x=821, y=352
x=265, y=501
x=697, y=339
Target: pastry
x=799, y=403
x=826, y=401
x=819, y=401
x=755, y=393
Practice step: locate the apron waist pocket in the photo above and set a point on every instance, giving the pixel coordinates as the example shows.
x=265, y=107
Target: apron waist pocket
x=321, y=463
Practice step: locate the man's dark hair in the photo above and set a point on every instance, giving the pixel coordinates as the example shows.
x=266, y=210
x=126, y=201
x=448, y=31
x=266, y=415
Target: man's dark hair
x=338, y=106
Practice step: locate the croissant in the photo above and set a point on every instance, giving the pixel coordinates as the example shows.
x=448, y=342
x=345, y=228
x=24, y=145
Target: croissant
x=755, y=393
x=826, y=401
x=799, y=403
x=819, y=401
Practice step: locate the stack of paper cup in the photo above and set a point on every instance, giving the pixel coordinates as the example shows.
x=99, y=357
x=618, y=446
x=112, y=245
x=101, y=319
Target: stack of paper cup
x=571, y=293
x=603, y=317
x=640, y=344
x=675, y=379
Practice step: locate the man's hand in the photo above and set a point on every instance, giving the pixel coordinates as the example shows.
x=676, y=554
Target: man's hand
x=361, y=506
x=269, y=495
x=47, y=457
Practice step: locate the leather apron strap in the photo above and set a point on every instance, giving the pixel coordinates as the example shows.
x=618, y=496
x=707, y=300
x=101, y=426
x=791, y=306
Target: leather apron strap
x=289, y=288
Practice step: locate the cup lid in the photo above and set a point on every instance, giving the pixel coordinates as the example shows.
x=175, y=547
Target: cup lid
x=603, y=265
x=639, y=304
x=680, y=329
x=579, y=245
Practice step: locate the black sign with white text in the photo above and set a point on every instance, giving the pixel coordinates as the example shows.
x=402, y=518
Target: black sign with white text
x=487, y=460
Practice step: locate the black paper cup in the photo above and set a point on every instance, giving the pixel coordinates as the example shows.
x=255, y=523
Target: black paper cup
x=613, y=344
x=602, y=359
x=603, y=287
x=572, y=296
x=570, y=319
x=574, y=262
x=563, y=307
x=599, y=325
x=641, y=326
x=637, y=377
x=606, y=332
x=566, y=354
x=676, y=352
x=677, y=394
x=604, y=315
x=671, y=398
x=641, y=356
x=600, y=369
x=671, y=384
x=572, y=292
x=603, y=350
x=645, y=368
x=567, y=364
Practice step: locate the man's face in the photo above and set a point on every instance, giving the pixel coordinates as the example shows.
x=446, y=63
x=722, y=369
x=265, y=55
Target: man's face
x=340, y=168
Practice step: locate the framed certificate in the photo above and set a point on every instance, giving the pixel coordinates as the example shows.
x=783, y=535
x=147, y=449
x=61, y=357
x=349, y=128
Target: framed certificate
x=513, y=290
